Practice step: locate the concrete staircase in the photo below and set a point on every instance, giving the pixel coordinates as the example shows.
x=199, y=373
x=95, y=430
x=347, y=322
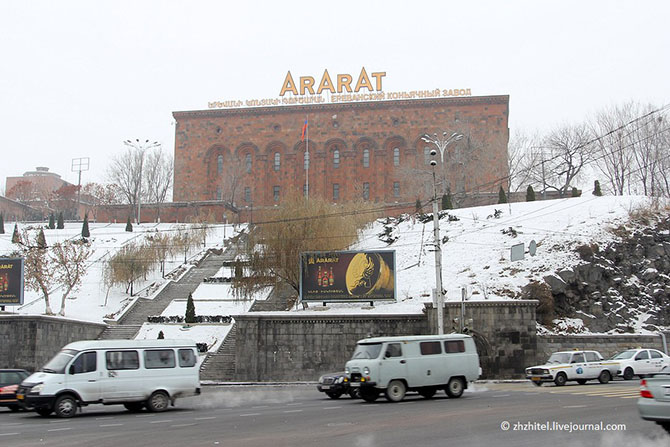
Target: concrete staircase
x=276, y=301
x=220, y=366
x=120, y=332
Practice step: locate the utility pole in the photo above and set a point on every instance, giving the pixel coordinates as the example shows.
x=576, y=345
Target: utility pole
x=438, y=260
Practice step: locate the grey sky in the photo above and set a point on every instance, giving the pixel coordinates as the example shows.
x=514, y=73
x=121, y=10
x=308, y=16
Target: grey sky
x=79, y=77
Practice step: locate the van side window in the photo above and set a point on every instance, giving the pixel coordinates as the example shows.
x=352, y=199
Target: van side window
x=430, y=347
x=159, y=358
x=86, y=362
x=454, y=346
x=393, y=350
x=122, y=360
x=186, y=358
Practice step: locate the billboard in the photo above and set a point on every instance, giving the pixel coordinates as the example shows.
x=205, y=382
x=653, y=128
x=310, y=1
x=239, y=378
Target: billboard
x=11, y=281
x=347, y=276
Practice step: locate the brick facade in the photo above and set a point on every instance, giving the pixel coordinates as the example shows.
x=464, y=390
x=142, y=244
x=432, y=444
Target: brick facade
x=373, y=149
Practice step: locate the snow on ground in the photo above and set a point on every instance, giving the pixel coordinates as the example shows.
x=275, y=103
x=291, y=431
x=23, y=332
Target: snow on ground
x=94, y=302
x=208, y=307
x=224, y=291
x=211, y=334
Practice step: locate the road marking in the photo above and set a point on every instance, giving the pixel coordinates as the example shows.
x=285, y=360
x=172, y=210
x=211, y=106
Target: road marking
x=575, y=406
x=110, y=425
x=182, y=425
x=205, y=418
x=292, y=411
x=331, y=408
x=261, y=406
x=294, y=404
x=105, y=418
x=60, y=429
x=145, y=416
x=160, y=422
x=250, y=414
x=501, y=395
x=9, y=434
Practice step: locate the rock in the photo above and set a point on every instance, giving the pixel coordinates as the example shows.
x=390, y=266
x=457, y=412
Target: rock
x=555, y=283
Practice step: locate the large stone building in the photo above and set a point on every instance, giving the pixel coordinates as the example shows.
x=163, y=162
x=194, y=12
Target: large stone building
x=254, y=157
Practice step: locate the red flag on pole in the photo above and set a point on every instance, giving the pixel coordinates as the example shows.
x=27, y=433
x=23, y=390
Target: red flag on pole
x=304, y=131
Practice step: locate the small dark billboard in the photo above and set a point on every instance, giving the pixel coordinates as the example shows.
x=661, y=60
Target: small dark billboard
x=11, y=281
x=343, y=276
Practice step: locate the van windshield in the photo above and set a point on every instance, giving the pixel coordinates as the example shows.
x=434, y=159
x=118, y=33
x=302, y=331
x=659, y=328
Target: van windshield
x=367, y=351
x=57, y=364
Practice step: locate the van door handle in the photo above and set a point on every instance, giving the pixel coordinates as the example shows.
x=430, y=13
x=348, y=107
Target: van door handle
x=402, y=361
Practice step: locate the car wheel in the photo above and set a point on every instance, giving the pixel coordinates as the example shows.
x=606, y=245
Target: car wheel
x=428, y=393
x=581, y=381
x=159, y=401
x=355, y=393
x=628, y=374
x=604, y=377
x=369, y=395
x=455, y=387
x=560, y=379
x=44, y=411
x=333, y=395
x=66, y=406
x=134, y=407
x=395, y=392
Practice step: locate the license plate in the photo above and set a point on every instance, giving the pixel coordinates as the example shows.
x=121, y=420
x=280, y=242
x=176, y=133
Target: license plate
x=325, y=387
x=354, y=384
x=20, y=396
x=536, y=379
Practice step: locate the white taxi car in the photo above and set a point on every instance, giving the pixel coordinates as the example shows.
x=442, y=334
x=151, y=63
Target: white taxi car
x=640, y=362
x=573, y=365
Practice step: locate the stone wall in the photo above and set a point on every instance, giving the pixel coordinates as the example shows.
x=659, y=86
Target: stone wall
x=28, y=341
x=607, y=345
x=289, y=347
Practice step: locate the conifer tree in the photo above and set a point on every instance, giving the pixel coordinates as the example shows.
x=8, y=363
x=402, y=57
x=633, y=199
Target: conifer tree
x=60, y=224
x=85, y=233
x=2, y=224
x=129, y=226
x=502, y=197
x=52, y=223
x=446, y=201
x=530, y=194
x=16, y=237
x=41, y=239
x=190, y=310
x=576, y=192
x=161, y=336
x=596, y=189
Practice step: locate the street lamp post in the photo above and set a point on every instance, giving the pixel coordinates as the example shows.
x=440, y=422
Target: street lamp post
x=142, y=147
x=441, y=144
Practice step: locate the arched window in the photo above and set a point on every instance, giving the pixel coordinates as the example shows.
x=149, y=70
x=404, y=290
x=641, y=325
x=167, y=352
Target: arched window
x=366, y=158
x=248, y=163
x=336, y=158
x=277, y=161
x=396, y=156
x=219, y=164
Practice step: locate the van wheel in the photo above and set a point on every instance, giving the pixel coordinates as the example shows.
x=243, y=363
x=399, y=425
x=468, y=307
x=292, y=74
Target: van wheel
x=44, y=411
x=560, y=379
x=134, y=407
x=395, y=392
x=604, y=377
x=66, y=406
x=355, y=393
x=455, y=387
x=428, y=393
x=158, y=402
x=628, y=374
x=369, y=395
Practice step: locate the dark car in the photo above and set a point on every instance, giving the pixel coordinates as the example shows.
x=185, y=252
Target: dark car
x=9, y=383
x=335, y=385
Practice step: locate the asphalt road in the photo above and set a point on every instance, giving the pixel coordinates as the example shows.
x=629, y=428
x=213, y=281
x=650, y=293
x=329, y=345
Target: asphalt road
x=301, y=416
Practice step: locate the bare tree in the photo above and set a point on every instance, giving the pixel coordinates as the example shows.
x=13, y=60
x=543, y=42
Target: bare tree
x=38, y=275
x=648, y=137
x=521, y=153
x=69, y=259
x=125, y=173
x=234, y=172
x=157, y=178
x=100, y=195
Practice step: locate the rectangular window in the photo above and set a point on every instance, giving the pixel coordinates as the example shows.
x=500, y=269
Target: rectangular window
x=454, y=346
x=396, y=189
x=186, y=358
x=366, y=158
x=366, y=191
x=122, y=360
x=306, y=160
x=592, y=357
x=87, y=362
x=159, y=358
x=219, y=193
x=275, y=193
x=336, y=191
x=396, y=156
x=247, y=194
x=248, y=163
x=430, y=347
x=426, y=155
x=304, y=190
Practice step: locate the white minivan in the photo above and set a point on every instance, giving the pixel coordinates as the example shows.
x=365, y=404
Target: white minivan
x=135, y=373
x=423, y=363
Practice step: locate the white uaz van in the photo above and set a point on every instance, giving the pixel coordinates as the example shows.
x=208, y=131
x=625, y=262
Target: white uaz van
x=423, y=363
x=135, y=373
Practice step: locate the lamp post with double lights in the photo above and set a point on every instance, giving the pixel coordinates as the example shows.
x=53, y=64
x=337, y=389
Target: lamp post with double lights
x=441, y=144
x=141, y=147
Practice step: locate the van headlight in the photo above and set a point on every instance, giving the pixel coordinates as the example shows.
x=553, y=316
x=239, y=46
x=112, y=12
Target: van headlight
x=346, y=370
x=37, y=388
x=366, y=370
